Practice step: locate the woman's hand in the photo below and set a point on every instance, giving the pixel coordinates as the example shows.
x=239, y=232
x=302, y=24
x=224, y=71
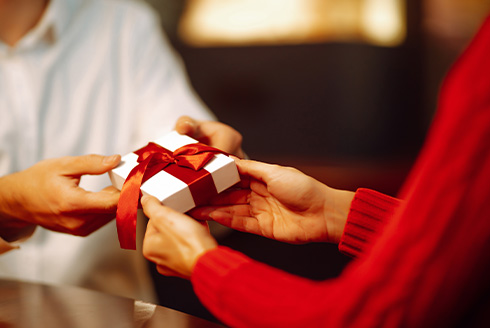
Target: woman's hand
x=280, y=203
x=174, y=241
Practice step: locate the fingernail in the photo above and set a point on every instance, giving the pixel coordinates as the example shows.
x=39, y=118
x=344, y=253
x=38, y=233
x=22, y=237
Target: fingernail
x=219, y=215
x=110, y=159
x=213, y=213
x=190, y=123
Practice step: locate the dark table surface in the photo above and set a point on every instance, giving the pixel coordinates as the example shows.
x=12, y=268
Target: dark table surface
x=24, y=304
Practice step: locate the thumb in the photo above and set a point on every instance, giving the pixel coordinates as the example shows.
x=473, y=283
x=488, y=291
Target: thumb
x=162, y=215
x=188, y=126
x=153, y=209
x=90, y=164
x=257, y=170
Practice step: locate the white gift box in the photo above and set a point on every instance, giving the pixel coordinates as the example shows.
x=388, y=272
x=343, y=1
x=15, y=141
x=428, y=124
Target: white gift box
x=170, y=190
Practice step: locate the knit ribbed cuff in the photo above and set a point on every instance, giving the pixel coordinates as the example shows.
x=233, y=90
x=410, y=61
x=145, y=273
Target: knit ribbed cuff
x=369, y=212
x=211, y=268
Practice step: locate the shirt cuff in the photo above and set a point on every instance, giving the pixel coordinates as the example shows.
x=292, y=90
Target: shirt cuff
x=6, y=246
x=369, y=212
x=15, y=237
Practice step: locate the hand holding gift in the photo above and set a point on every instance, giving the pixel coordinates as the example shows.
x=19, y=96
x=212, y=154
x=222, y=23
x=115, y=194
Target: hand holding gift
x=277, y=202
x=174, y=241
x=212, y=133
x=280, y=203
x=48, y=194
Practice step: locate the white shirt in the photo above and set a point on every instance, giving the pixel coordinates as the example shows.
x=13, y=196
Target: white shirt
x=94, y=76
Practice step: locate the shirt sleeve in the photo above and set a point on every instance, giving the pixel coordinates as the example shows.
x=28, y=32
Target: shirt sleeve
x=369, y=212
x=162, y=88
x=6, y=246
x=245, y=293
x=15, y=236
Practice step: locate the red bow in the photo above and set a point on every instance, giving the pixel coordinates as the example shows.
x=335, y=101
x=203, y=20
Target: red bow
x=152, y=158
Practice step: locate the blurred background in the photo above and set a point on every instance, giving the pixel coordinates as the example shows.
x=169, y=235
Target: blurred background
x=343, y=90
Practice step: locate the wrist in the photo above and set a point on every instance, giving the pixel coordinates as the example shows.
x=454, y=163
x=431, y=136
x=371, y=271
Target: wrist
x=9, y=204
x=205, y=249
x=337, y=207
x=12, y=228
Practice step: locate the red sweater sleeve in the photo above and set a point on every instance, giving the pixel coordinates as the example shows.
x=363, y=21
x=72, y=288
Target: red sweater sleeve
x=428, y=267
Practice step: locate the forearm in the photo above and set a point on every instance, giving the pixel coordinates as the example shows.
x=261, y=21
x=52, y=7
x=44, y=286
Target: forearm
x=244, y=293
x=336, y=211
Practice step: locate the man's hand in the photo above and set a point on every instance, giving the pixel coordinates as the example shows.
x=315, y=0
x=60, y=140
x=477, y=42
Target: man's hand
x=212, y=133
x=48, y=194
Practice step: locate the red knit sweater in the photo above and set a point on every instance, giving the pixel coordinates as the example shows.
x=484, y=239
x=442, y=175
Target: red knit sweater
x=428, y=266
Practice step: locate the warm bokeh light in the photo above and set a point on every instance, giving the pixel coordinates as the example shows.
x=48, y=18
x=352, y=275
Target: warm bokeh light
x=454, y=21
x=383, y=21
x=252, y=22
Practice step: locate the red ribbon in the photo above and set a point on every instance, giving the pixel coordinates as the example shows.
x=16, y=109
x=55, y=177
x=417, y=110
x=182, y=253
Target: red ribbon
x=185, y=163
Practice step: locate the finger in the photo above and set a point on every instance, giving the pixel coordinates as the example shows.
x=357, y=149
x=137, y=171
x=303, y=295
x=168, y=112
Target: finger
x=163, y=214
x=111, y=189
x=231, y=197
x=244, y=223
x=78, y=224
x=187, y=125
x=168, y=272
x=202, y=213
x=220, y=213
x=244, y=179
x=223, y=137
x=104, y=201
x=153, y=209
x=89, y=164
x=235, y=210
x=93, y=223
x=256, y=170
